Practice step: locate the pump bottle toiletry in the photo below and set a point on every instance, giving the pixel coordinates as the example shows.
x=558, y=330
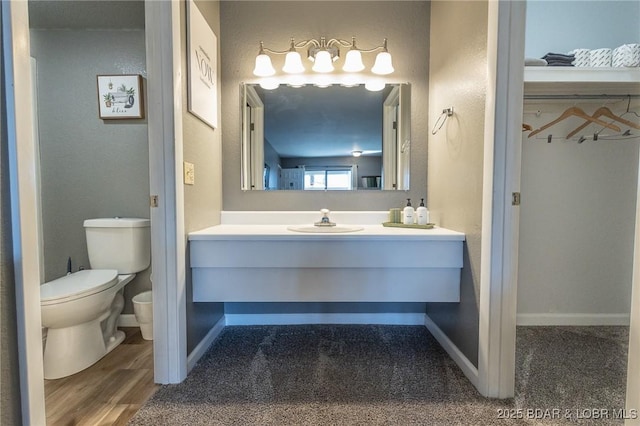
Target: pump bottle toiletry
x=408, y=213
x=422, y=213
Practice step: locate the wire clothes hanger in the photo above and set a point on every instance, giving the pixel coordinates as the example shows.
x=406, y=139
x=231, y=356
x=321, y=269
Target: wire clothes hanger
x=604, y=111
x=575, y=111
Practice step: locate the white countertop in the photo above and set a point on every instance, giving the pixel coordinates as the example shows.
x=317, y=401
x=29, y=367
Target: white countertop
x=280, y=232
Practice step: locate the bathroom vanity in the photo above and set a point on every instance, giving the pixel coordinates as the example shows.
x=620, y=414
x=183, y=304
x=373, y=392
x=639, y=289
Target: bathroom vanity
x=255, y=257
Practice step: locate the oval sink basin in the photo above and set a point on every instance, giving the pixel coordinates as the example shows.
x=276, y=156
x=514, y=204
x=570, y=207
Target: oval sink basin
x=324, y=229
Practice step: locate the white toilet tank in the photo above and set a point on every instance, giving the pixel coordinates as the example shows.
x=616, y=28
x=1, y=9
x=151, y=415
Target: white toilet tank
x=119, y=243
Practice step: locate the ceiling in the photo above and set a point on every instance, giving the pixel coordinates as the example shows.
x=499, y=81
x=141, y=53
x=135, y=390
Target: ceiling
x=91, y=14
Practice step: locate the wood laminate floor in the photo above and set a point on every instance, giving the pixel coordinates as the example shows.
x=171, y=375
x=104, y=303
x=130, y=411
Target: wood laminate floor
x=109, y=392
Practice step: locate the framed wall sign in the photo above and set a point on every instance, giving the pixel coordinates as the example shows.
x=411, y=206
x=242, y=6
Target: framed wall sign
x=202, y=63
x=120, y=96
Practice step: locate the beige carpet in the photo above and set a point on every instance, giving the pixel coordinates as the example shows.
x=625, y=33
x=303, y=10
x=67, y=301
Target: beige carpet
x=387, y=375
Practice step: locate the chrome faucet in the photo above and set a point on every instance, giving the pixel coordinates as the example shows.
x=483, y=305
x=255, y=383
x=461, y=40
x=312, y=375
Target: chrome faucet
x=324, y=221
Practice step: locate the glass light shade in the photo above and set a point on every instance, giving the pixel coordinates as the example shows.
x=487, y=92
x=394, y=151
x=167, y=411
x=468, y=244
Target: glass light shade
x=323, y=62
x=264, y=67
x=374, y=85
x=356, y=153
x=293, y=63
x=383, y=65
x=353, y=61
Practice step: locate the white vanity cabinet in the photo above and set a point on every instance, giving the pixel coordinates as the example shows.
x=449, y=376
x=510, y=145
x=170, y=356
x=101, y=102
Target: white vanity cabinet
x=269, y=263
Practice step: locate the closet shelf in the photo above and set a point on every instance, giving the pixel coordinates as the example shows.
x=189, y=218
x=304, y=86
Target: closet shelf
x=581, y=81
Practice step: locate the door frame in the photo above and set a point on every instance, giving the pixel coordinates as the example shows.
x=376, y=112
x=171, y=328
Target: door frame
x=168, y=238
x=24, y=217
x=500, y=220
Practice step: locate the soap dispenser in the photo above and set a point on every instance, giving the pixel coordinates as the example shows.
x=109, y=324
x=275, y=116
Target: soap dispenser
x=408, y=213
x=422, y=213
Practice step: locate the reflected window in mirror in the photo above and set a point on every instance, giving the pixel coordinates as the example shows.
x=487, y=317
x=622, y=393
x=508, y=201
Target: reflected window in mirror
x=345, y=138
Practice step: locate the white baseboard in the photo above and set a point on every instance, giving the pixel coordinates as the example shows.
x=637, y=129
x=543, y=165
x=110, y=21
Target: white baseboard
x=204, y=344
x=325, y=318
x=128, y=320
x=572, y=319
x=458, y=357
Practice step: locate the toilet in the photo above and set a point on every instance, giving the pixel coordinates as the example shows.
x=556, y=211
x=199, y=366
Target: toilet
x=81, y=310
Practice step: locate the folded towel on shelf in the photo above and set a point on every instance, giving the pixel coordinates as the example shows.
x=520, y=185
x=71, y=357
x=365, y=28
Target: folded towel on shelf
x=559, y=59
x=583, y=57
x=600, y=57
x=534, y=62
x=627, y=55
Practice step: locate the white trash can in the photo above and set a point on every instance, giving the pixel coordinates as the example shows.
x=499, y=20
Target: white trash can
x=143, y=309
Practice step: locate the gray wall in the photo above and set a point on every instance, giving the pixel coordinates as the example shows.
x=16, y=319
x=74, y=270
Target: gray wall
x=561, y=26
x=202, y=201
x=246, y=23
x=9, y=370
x=458, y=78
x=90, y=167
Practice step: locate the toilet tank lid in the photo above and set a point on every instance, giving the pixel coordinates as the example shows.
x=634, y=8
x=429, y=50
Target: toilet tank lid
x=117, y=222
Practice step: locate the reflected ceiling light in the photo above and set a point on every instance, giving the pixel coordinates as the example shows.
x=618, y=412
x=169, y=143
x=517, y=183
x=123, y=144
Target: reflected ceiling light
x=374, y=85
x=323, y=53
x=296, y=81
x=269, y=84
x=350, y=81
x=322, y=81
x=356, y=153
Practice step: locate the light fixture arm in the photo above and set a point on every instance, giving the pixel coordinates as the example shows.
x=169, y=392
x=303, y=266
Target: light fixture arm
x=334, y=43
x=292, y=47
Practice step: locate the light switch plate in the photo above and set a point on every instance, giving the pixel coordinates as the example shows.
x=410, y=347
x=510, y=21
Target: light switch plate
x=189, y=173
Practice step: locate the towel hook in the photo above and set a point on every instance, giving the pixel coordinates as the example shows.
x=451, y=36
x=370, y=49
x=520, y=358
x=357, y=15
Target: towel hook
x=447, y=112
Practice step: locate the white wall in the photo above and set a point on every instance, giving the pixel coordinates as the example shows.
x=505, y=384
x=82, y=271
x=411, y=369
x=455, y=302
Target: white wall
x=577, y=222
x=561, y=26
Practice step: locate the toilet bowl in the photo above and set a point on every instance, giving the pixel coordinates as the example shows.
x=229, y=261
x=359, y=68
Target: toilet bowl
x=81, y=310
x=78, y=310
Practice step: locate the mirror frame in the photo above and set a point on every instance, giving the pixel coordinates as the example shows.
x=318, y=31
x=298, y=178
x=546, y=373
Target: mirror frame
x=396, y=148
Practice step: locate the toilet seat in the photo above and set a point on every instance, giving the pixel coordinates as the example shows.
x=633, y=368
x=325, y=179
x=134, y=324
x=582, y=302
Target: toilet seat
x=79, y=284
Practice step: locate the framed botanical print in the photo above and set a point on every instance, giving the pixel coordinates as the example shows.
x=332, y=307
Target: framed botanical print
x=120, y=97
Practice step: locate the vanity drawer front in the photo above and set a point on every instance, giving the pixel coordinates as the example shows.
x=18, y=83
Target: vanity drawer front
x=325, y=254
x=326, y=285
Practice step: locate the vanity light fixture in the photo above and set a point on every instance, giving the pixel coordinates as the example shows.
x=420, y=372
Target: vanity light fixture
x=264, y=67
x=323, y=53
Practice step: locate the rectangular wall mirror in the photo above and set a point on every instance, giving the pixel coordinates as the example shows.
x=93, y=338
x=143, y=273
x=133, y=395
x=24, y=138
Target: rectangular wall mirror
x=325, y=138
